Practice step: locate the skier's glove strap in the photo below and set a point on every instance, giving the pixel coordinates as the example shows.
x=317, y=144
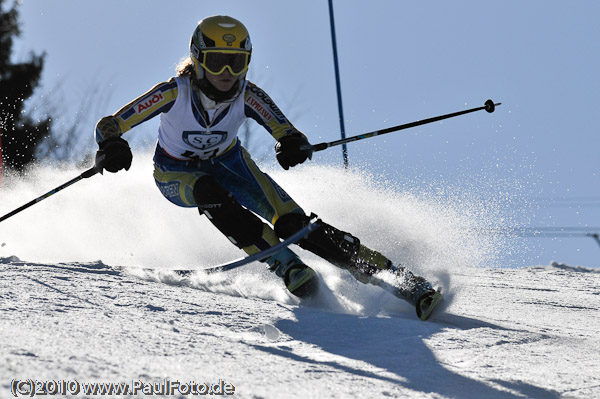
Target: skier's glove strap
x=290, y=152
x=114, y=154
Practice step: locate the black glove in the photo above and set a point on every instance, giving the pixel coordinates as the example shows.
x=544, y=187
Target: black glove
x=289, y=150
x=114, y=154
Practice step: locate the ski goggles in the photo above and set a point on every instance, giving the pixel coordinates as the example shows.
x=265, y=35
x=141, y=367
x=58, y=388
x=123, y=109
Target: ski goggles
x=217, y=61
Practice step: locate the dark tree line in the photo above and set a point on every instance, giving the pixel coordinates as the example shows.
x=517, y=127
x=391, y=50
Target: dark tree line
x=19, y=133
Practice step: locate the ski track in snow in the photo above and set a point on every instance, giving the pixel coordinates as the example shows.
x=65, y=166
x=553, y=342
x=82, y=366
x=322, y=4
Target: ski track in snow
x=64, y=315
x=512, y=333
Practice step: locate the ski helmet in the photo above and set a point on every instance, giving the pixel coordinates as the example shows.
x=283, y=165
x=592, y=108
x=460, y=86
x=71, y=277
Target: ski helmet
x=219, y=43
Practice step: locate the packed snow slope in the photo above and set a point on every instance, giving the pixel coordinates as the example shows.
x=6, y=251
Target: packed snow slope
x=77, y=305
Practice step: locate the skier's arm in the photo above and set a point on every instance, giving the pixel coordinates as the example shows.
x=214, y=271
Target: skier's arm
x=114, y=153
x=260, y=107
x=290, y=141
x=155, y=101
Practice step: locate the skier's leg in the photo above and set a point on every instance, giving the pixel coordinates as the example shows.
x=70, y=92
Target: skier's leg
x=345, y=250
x=253, y=188
x=338, y=247
x=255, y=191
x=248, y=232
x=177, y=183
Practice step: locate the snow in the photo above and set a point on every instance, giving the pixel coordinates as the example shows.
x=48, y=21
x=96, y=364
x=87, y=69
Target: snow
x=77, y=304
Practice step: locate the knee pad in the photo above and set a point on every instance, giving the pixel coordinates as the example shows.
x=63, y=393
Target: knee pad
x=290, y=223
x=333, y=245
x=336, y=246
x=239, y=225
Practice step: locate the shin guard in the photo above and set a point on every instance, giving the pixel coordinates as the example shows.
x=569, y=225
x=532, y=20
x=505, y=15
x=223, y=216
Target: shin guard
x=335, y=246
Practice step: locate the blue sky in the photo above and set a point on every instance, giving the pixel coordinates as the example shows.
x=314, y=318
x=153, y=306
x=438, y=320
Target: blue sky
x=399, y=62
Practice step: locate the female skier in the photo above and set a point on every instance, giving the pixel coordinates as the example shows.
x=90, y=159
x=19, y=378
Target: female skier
x=199, y=161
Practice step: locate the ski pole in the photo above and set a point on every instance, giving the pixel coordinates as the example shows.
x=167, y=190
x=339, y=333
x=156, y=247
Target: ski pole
x=88, y=173
x=294, y=238
x=489, y=106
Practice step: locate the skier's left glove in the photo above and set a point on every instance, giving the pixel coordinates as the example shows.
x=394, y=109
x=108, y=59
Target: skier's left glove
x=293, y=149
x=114, y=154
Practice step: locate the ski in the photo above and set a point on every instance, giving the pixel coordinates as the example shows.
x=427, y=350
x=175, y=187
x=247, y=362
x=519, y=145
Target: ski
x=294, y=238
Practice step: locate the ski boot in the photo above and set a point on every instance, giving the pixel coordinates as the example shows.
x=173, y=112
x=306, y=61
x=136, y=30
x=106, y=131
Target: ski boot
x=413, y=289
x=346, y=251
x=427, y=303
x=298, y=278
x=416, y=291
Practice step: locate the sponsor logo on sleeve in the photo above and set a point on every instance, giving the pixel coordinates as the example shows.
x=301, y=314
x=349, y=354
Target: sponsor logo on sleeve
x=265, y=114
x=265, y=107
x=148, y=103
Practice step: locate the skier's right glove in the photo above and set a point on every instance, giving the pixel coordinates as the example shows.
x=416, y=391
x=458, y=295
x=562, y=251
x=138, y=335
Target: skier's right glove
x=293, y=149
x=114, y=154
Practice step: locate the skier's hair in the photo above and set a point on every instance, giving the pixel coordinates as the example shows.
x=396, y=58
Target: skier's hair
x=185, y=67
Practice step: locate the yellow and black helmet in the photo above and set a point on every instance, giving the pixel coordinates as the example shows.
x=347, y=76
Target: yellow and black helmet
x=220, y=43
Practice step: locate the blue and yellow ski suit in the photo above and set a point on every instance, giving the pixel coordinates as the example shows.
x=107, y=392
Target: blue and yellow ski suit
x=198, y=154
x=198, y=137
